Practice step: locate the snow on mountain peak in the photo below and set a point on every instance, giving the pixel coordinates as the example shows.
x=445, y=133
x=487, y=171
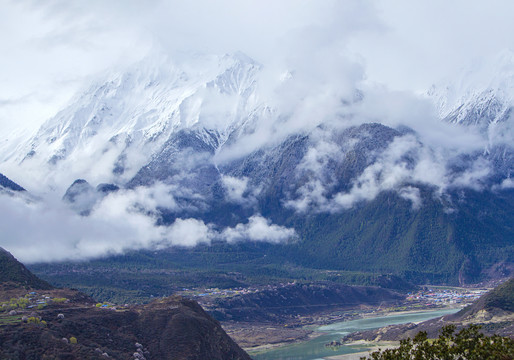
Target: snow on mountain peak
x=480, y=95
x=113, y=128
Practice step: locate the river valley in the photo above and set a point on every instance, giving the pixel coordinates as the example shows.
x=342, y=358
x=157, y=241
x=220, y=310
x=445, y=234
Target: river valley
x=315, y=349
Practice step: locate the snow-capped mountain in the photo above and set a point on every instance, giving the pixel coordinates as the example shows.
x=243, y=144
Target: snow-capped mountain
x=112, y=129
x=482, y=95
x=166, y=121
x=150, y=143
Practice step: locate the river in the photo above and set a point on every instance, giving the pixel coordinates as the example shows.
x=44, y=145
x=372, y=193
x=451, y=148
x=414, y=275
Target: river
x=315, y=349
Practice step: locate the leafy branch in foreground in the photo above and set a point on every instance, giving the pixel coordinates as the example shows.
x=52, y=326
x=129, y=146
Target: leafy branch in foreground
x=467, y=344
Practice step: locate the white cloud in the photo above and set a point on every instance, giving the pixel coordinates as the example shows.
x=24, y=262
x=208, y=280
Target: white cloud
x=317, y=157
x=47, y=231
x=328, y=45
x=412, y=194
x=238, y=190
x=424, y=41
x=506, y=184
x=188, y=232
x=403, y=164
x=473, y=176
x=148, y=198
x=258, y=228
x=58, y=45
x=312, y=196
x=51, y=232
x=53, y=46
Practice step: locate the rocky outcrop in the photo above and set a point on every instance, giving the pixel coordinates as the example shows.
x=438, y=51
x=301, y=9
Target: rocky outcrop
x=66, y=324
x=9, y=184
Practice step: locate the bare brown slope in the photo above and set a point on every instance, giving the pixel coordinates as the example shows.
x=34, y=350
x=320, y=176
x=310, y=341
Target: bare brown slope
x=497, y=302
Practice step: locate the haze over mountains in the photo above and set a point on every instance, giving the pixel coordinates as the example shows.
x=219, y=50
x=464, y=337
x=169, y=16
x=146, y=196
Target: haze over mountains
x=197, y=148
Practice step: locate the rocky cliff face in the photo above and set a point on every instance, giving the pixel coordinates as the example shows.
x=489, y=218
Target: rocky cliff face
x=180, y=329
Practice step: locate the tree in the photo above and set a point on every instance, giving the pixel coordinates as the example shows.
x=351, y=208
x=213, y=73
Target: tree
x=467, y=344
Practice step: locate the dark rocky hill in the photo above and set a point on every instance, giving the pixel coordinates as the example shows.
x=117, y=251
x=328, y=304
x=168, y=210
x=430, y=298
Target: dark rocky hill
x=9, y=184
x=78, y=188
x=14, y=274
x=82, y=196
x=170, y=328
x=38, y=322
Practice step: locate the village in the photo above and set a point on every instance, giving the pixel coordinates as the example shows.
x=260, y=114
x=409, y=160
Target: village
x=215, y=292
x=436, y=296
x=31, y=300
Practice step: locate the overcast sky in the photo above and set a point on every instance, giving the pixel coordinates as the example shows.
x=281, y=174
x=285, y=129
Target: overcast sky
x=49, y=48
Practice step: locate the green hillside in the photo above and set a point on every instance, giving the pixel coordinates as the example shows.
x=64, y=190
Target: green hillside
x=433, y=244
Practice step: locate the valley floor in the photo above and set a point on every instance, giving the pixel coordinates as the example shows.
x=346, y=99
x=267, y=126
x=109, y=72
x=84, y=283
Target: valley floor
x=253, y=336
x=267, y=328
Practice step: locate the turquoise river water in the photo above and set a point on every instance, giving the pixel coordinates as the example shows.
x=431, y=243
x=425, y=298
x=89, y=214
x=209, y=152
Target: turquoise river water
x=315, y=349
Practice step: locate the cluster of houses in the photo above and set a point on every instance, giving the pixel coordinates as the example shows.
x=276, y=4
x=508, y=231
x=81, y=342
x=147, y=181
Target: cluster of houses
x=215, y=292
x=38, y=300
x=32, y=300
